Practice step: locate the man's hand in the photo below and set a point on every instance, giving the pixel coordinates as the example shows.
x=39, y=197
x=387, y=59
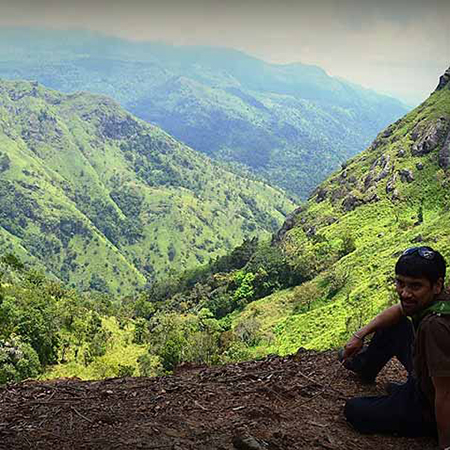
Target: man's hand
x=352, y=347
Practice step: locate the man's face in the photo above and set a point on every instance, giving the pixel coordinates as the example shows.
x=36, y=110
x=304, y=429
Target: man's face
x=416, y=293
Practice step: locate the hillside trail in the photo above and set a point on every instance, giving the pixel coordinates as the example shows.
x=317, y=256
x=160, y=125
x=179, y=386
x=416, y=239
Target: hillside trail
x=277, y=403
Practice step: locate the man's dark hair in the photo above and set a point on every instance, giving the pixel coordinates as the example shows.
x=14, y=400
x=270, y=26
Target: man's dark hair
x=420, y=262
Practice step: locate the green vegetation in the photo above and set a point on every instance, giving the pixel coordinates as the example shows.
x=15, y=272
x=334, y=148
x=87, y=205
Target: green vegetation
x=94, y=198
x=106, y=202
x=351, y=232
x=49, y=331
x=290, y=124
x=330, y=268
x=327, y=271
x=42, y=322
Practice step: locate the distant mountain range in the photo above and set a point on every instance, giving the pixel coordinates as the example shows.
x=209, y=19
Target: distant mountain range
x=105, y=201
x=291, y=124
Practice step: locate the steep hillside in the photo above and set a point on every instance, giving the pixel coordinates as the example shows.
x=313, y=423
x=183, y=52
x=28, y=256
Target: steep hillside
x=292, y=124
x=330, y=267
x=392, y=196
x=105, y=201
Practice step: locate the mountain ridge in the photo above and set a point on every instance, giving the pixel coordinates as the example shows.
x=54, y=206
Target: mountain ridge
x=278, y=120
x=390, y=197
x=89, y=174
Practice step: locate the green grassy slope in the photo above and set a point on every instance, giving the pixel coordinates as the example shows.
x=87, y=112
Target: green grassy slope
x=291, y=124
x=106, y=201
x=392, y=196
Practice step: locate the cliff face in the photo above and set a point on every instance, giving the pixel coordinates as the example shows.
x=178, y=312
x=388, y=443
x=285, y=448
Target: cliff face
x=444, y=80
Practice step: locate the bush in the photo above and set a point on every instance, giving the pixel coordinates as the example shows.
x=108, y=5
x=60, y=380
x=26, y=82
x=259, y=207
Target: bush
x=245, y=290
x=149, y=365
x=141, y=333
x=248, y=331
x=335, y=280
x=125, y=371
x=18, y=361
x=304, y=295
x=348, y=245
x=170, y=354
x=272, y=269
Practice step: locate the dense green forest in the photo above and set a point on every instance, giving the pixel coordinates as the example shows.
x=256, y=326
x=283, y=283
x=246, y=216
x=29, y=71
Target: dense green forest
x=290, y=124
x=48, y=330
x=104, y=201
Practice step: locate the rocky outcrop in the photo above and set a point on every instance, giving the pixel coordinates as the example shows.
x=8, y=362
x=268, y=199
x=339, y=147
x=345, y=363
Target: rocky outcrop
x=444, y=80
x=419, y=166
x=406, y=175
x=337, y=194
x=429, y=138
x=377, y=143
x=288, y=224
x=390, y=186
x=369, y=181
x=382, y=137
x=351, y=202
x=321, y=195
x=388, y=131
x=371, y=196
x=310, y=231
x=385, y=168
x=395, y=195
x=330, y=220
x=444, y=154
x=372, y=177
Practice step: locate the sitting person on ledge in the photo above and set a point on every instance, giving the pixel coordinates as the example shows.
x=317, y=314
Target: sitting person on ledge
x=421, y=406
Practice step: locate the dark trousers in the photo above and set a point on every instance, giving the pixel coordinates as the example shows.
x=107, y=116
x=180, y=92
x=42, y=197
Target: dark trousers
x=401, y=412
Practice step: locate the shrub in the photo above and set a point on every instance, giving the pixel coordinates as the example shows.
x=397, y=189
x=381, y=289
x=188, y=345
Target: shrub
x=248, y=331
x=18, y=361
x=348, y=245
x=125, y=371
x=304, y=295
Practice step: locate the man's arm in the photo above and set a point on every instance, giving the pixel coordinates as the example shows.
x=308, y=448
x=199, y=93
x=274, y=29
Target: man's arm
x=442, y=407
x=386, y=318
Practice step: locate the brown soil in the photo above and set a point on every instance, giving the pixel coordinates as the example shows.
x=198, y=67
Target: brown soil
x=277, y=403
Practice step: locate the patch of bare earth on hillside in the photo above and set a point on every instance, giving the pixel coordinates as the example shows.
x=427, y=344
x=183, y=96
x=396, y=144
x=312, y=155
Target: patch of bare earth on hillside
x=276, y=403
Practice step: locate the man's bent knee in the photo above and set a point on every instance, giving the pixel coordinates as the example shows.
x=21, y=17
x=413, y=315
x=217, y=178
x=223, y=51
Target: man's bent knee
x=351, y=410
x=358, y=414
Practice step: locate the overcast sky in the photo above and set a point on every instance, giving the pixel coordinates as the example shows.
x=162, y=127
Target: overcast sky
x=399, y=47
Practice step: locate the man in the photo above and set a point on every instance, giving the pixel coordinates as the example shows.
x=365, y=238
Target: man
x=421, y=406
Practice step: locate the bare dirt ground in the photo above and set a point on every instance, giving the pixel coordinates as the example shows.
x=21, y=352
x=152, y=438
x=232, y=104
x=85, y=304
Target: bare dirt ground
x=275, y=404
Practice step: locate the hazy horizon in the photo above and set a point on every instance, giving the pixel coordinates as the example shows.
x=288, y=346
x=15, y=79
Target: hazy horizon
x=399, y=48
